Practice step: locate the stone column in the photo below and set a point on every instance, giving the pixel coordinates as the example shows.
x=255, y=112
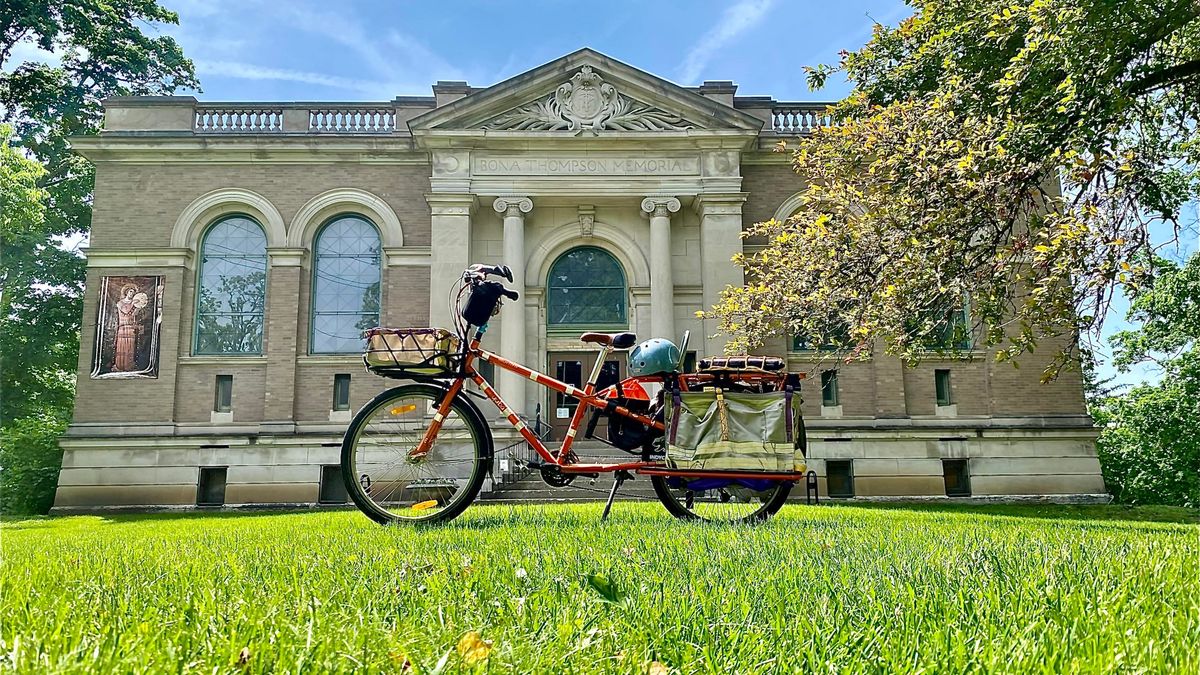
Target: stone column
x=282, y=321
x=662, y=286
x=512, y=321
x=720, y=238
x=449, y=251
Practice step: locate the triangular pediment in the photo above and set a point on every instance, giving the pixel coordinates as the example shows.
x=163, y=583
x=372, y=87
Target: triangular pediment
x=585, y=91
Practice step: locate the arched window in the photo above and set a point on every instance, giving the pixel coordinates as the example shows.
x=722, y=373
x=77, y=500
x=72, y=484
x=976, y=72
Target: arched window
x=345, y=285
x=232, y=288
x=586, y=288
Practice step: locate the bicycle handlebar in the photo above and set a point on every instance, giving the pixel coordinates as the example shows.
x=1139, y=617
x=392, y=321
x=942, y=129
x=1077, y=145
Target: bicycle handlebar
x=480, y=272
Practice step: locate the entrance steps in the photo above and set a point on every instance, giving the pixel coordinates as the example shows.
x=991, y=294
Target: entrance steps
x=531, y=487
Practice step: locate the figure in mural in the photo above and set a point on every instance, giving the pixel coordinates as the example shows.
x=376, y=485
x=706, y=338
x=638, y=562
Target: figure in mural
x=129, y=328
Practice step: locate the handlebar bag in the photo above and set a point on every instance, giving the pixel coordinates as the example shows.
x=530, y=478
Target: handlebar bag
x=718, y=430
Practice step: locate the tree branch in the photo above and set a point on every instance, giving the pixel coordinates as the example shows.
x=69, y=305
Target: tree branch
x=1165, y=76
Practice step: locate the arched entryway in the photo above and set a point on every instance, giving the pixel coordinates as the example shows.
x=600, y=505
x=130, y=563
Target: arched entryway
x=586, y=290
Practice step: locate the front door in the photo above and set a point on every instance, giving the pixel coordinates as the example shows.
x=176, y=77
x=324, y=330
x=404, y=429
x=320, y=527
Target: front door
x=573, y=368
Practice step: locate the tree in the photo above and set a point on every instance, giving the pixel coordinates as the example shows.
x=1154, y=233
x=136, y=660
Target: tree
x=1149, y=445
x=940, y=184
x=102, y=51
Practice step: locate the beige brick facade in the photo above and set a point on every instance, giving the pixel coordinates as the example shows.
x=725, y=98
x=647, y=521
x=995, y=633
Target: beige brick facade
x=427, y=181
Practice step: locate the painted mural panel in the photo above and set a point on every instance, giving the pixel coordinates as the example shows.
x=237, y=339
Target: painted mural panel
x=127, y=327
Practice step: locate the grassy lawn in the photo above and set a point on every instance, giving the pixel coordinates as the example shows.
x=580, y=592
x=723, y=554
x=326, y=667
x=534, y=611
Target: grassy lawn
x=828, y=589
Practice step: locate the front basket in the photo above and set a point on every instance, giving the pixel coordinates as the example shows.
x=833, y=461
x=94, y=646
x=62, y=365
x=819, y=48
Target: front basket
x=411, y=352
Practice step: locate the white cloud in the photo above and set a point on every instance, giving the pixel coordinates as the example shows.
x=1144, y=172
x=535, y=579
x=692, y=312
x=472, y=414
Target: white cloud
x=733, y=22
x=249, y=71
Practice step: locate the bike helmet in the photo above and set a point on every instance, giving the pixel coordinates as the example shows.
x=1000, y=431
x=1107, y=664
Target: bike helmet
x=653, y=357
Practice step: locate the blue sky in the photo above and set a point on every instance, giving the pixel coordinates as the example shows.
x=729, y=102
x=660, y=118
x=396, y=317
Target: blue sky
x=308, y=50
x=305, y=50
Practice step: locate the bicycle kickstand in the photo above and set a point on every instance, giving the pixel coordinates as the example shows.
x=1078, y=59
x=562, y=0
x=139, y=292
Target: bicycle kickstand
x=619, y=477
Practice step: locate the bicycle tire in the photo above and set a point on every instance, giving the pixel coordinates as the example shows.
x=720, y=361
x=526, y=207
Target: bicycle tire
x=482, y=441
x=770, y=506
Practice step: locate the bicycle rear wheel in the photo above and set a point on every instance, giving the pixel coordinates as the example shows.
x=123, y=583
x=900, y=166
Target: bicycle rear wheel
x=727, y=504
x=388, y=483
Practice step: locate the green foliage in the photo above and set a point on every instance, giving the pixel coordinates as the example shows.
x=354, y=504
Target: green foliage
x=29, y=464
x=827, y=589
x=1149, y=444
x=1150, y=440
x=102, y=51
x=941, y=180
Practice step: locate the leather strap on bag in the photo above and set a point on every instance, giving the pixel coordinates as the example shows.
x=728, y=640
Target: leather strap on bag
x=787, y=406
x=676, y=402
x=723, y=415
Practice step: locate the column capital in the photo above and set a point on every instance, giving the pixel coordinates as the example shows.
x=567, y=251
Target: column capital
x=512, y=206
x=662, y=206
x=451, y=204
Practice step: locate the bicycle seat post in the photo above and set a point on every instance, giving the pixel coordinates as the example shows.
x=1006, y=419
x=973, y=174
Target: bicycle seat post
x=601, y=357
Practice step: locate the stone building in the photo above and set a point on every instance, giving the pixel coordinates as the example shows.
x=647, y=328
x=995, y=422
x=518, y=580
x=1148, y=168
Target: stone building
x=238, y=249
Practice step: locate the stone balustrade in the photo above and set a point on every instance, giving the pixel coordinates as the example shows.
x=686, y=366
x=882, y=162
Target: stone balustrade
x=184, y=114
x=359, y=119
x=799, y=118
x=238, y=119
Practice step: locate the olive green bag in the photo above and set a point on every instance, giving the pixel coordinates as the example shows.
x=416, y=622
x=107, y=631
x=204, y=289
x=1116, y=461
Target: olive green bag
x=735, y=431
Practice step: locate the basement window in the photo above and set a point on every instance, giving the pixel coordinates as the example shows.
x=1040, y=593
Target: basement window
x=341, y=391
x=957, y=477
x=210, y=491
x=333, y=488
x=223, y=398
x=839, y=477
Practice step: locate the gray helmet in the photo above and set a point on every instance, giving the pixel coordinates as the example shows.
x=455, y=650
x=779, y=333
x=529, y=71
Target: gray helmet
x=653, y=357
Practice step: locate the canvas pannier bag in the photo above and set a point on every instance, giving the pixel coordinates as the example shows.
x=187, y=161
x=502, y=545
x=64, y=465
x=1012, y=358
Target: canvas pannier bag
x=720, y=430
x=411, y=351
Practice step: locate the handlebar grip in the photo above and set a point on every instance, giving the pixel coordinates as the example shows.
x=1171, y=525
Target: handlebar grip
x=510, y=293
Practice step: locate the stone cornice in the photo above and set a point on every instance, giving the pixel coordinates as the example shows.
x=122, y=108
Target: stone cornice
x=140, y=257
x=407, y=256
x=451, y=204
x=722, y=203
x=285, y=256
x=157, y=148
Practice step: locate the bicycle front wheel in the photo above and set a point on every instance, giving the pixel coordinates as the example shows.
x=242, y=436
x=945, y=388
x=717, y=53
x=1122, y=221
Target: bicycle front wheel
x=388, y=482
x=732, y=503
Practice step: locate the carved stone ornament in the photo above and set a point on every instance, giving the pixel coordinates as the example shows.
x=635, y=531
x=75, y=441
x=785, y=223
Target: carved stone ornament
x=587, y=221
x=587, y=102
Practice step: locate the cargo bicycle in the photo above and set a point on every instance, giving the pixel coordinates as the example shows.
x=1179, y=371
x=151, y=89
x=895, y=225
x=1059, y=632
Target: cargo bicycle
x=725, y=443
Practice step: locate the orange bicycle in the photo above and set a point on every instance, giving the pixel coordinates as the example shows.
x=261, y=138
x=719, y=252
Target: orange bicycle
x=420, y=452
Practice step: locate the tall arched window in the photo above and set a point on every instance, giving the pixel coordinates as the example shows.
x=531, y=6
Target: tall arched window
x=586, y=288
x=232, y=288
x=346, y=283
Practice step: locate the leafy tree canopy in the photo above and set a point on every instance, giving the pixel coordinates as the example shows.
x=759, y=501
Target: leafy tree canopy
x=940, y=185
x=1149, y=443
x=101, y=50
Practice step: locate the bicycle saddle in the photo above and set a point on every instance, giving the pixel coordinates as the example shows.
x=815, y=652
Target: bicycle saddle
x=615, y=340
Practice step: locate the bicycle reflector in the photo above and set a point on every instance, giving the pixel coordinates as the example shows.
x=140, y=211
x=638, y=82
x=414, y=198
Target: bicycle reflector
x=401, y=409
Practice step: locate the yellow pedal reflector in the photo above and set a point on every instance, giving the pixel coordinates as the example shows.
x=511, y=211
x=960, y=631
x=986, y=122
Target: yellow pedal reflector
x=401, y=409
x=421, y=506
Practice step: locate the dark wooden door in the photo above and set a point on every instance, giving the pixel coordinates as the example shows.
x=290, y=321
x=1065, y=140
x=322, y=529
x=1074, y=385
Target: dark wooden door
x=574, y=368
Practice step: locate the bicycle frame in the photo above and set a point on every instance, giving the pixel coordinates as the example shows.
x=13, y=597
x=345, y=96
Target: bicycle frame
x=562, y=457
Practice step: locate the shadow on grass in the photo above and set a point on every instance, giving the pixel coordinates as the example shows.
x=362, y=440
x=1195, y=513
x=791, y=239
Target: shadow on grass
x=1062, y=512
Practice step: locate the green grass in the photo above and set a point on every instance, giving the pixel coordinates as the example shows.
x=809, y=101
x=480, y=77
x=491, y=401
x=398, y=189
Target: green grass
x=827, y=589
